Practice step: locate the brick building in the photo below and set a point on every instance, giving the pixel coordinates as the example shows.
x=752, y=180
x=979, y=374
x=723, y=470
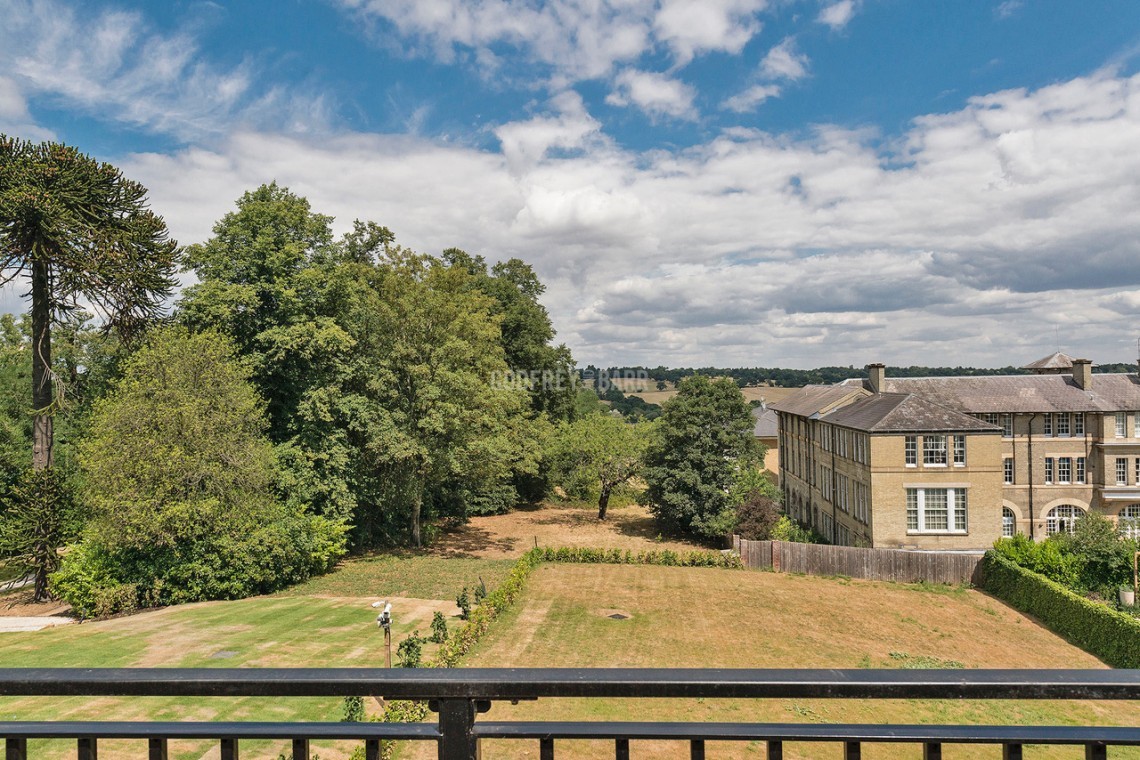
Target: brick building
x=956, y=462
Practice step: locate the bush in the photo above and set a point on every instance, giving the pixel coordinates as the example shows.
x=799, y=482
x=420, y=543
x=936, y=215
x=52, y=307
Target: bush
x=787, y=529
x=93, y=577
x=1110, y=635
x=756, y=516
x=438, y=628
x=410, y=652
x=463, y=602
x=586, y=555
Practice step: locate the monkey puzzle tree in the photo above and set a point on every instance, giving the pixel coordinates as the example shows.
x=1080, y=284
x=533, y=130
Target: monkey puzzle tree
x=79, y=231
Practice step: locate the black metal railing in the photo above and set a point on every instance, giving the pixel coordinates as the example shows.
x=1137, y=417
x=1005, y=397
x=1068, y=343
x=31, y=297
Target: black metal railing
x=459, y=696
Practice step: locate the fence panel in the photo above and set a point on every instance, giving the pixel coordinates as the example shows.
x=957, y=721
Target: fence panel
x=898, y=565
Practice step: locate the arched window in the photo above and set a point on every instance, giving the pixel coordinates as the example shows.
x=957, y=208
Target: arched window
x=1008, y=522
x=1129, y=520
x=1062, y=518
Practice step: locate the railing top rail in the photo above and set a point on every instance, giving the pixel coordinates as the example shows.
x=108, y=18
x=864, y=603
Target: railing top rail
x=522, y=683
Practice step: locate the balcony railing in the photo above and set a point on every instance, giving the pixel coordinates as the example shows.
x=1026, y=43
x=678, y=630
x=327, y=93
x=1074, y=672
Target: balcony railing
x=459, y=696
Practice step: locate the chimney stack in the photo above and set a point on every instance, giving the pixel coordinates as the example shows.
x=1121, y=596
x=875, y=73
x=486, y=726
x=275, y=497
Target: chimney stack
x=1082, y=373
x=877, y=375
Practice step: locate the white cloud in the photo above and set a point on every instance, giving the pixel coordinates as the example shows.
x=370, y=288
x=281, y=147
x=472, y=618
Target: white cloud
x=1008, y=8
x=837, y=14
x=990, y=226
x=752, y=97
x=111, y=65
x=691, y=27
x=656, y=94
x=575, y=39
x=783, y=62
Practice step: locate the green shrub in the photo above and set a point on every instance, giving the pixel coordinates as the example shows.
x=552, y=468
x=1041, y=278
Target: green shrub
x=463, y=602
x=587, y=555
x=411, y=650
x=787, y=529
x=1110, y=635
x=438, y=628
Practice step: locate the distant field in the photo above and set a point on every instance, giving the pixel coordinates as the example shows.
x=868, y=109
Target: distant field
x=752, y=393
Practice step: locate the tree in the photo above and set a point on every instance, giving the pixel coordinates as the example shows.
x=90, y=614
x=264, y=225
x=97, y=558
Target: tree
x=598, y=453
x=37, y=517
x=76, y=228
x=703, y=434
x=179, y=477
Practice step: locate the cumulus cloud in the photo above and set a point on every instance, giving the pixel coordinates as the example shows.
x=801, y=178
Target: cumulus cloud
x=836, y=15
x=656, y=94
x=574, y=39
x=111, y=64
x=972, y=237
x=784, y=62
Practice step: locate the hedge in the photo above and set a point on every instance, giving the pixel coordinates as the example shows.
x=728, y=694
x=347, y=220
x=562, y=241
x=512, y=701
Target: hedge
x=1100, y=630
x=664, y=557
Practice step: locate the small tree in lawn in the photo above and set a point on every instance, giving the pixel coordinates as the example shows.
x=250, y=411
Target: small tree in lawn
x=599, y=452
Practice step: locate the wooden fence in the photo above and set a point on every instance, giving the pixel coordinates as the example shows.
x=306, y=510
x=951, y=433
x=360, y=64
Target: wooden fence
x=897, y=565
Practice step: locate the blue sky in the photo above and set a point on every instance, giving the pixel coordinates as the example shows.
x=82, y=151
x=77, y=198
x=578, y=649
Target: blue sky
x=731, y=182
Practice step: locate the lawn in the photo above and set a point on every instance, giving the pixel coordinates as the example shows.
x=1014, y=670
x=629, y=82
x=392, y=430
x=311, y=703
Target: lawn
x=327, y=622
x=675, y=617
x=695, y=617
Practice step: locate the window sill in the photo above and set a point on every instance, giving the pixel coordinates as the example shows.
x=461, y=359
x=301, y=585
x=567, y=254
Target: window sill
x=938, y=532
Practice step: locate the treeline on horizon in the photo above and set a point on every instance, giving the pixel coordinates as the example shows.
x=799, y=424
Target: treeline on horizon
x=796, y=378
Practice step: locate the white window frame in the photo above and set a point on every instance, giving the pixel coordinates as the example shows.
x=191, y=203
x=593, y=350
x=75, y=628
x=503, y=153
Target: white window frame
x=1070, y=513
x=1006, y=425
x=1008, y=523
x=1079, y=423
x=1121, y=471
x=1048, y=419
x=957, y=511
x=910, y=450
x=933, y=449
x=1065, y=470
x=1121, y=425
x=1064, y=425
x=1079, y=474
x=1128, y=520
x=959, y=451
x=1049, y=471
x=1007, y=471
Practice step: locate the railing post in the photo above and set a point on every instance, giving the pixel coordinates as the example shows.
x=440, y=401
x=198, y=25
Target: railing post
x=852, y=751
x=229, y=749
x=157, y=749
x=546, y=749
x=1096, y=751
x=457, y=740
x=16, y=749
x=300, y=749
x=371, y=749
x=87, y=748
x=775, y=750
x=932, y=751
x=1011, y=752
x=697, y=749
x=621, y=749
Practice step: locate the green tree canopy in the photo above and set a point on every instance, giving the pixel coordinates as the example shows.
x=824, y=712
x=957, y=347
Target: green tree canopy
x=77, y=229
x=702, y=436
x=598, y=453
x=179, y=478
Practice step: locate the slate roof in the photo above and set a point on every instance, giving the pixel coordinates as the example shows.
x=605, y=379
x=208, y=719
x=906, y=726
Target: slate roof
x=1054, y=361
x=1019, y=393
x=765, y=423
x=905, y=412
x=816, y=399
